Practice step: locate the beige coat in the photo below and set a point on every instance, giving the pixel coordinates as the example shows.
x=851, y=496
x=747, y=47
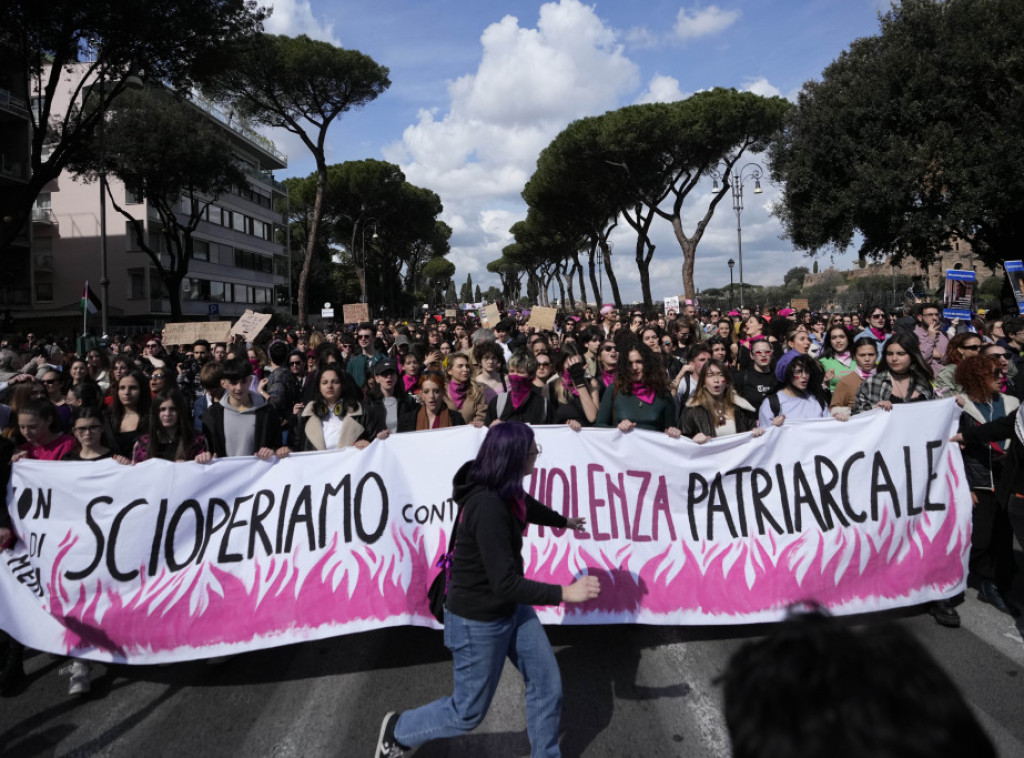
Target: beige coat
x=351, y=428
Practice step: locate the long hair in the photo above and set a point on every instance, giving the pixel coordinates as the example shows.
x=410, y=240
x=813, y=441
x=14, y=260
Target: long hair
x=826, y=349
x=654, y=369
x=117, y=408
x=501, y=460
x=705, y=399
x=919, y=371
x=351, y=396
x=182, y=434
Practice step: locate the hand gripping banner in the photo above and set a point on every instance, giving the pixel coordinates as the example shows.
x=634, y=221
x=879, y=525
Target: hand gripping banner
x=161, y=562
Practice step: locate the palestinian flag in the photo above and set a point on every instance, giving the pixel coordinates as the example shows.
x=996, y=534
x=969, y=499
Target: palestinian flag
x=90, y=302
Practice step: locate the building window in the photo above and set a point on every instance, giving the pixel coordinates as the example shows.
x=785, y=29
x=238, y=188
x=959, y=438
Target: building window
x=216, y=215
x=200, y=250
x=132, y=197
x=136, y=284
x=132, y=236
x=238, y=222
x=44, y=291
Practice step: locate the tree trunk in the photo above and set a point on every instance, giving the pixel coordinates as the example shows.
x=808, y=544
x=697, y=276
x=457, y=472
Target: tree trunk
x=561, y=287
x=612, y=281
x=311, y=240
x=592, y=266
x=578, y=272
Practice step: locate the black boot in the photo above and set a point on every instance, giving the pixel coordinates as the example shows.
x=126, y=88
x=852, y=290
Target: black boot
x=12, y=673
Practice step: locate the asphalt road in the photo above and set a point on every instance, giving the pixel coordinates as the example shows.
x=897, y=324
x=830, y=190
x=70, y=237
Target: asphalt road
x=629, y=691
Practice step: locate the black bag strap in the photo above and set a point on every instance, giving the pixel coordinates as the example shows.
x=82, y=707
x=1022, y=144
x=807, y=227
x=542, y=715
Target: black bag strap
x=775, y=404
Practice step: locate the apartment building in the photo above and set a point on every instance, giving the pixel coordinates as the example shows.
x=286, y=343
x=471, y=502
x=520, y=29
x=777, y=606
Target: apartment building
x=240, y=258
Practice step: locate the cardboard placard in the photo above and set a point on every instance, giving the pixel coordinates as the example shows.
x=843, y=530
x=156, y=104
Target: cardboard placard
x=450, y=313
x=186, y=333
x=672, y=304
x=542, y=319
x=355, y=313
x=491, y=316
x=800, y=304
x=251, y=324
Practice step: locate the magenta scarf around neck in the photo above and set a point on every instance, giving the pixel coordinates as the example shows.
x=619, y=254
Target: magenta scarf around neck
x=409, y=381
x=607, y=377
x=643, y=392
x=520, y=389
x=458, y=393
x=879, y=334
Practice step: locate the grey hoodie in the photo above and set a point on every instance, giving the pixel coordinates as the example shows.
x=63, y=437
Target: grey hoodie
x=240, y=426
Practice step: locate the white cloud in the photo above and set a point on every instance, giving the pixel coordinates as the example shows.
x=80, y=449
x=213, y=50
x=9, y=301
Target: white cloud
x=295, y=17
x=703, y=22
x=662, y=89
x=761, y=86
x=530, y=83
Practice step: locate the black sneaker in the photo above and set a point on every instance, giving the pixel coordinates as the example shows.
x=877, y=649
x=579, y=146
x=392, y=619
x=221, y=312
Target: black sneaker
x=387, y=745
x=989, y=593
x=944, y=613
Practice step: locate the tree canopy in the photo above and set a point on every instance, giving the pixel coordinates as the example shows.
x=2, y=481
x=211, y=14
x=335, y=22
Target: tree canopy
x=110, y=41
x=301, y=85
x=911, y=137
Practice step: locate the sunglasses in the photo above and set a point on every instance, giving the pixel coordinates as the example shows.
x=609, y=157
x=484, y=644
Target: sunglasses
x=88, y=429
x=157, y=376
x=50, y=381
x=294, y=363
x=971, y=347
x=610, y=349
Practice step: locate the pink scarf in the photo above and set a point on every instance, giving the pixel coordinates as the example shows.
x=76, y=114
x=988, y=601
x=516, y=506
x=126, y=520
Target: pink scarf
x=865, y=375
x=643, y=392
x=845, y=358
x=409, y=381
x=567, y=383
x=607, y=377
x=520, y=389
x=879, y=334
x=458, y=393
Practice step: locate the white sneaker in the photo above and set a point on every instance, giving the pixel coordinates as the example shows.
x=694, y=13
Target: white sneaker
x=81, y=678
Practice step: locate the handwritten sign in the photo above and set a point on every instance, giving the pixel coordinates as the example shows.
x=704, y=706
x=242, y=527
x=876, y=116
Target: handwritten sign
x=800, y=304
x=542, y=318
x=251, y=324
x=186, y=333
x=355, y=313
x=450, y=313
x=491, y=316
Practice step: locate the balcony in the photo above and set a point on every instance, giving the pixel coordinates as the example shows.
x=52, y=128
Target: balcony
x=44, y=216
x=13, y=104
x=12, y=168
x=43, y=262
x=254, y=138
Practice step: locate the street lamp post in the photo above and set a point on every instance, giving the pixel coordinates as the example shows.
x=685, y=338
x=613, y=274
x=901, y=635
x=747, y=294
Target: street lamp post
x=731, y=263
x=750, y=171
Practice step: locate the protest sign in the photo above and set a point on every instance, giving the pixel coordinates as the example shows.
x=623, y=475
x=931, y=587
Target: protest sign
x=171, y=561
x=491, y=316
x=800, y=304
x=1015, y=273
x=186, y=333
x=450, y=313
x=355, y=313
x=251, y=324
x=958, y=294
x=672, y=304
x=542, y=318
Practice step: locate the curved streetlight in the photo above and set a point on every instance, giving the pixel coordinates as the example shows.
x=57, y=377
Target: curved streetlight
x=750, y=171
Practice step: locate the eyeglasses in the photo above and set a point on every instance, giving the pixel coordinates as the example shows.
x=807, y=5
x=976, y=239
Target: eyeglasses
x=610, y=349
x=151, y=344
x=877, y=315
x=543, y=363
x=971, y=347
x=91, y=429
x=998, y=355
x=48, y=382
x=294, y=363
x=364, y=337
x=157, y=376
x=537, y=450
x=762, y=352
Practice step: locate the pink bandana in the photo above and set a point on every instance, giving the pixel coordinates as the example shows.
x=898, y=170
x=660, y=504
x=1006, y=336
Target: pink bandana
x=567, y=383
x=865, y=374
x=607, y=377
x=409, y=381
x=458, y=393
x=520, y=389
x=643, y=392
x=879, y=334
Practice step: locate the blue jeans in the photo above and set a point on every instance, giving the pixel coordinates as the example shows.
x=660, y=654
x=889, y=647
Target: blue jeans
x=479, y=649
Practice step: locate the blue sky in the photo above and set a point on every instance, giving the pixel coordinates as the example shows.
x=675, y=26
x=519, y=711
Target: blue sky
x=479, y=89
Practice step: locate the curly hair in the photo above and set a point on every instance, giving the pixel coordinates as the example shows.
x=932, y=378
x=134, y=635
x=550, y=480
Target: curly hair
x=654, y=371
x=974, y=373
x=955, y=349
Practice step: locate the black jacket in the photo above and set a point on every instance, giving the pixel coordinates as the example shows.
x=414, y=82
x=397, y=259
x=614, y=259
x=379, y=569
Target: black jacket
x=696, y=418
x=268, y=429
x=487, y=581
x=536, y=409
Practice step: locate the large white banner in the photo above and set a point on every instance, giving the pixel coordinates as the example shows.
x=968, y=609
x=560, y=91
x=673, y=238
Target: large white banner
x=161, y=561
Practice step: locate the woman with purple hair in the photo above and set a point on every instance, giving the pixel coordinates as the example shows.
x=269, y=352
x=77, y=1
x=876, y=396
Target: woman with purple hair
x=489, y=609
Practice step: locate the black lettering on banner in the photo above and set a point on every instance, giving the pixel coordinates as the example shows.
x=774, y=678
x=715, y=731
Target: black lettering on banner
x=828, y=503
x=804, y=494
x=329, y=492
x=645, y=480
x=27, y=575
x=844, y=491
x=370, y=537
x=718, y=502
x=302, y=513
x=912, y=509
x=256, y=519
x=43, y=501
x=212, y=526
x=24, y=503
x=930, y=447
x=172, y=533
x=740, y=500
x=282, y=511
x=880, y=471
x=35, y=544
x=223, y=556
x=115, y=530
x=758, y=493
x=100, y=539
x=784, y=496
x=692, y=498
x=158, y=533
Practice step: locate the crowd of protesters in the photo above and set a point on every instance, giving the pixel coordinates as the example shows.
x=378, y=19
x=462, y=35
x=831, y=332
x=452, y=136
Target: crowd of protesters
x=699, y=375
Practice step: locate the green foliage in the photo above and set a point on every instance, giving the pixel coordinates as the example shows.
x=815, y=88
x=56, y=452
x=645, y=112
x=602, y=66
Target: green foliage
x=794, y=278
x=908, y=138
x=477, y=295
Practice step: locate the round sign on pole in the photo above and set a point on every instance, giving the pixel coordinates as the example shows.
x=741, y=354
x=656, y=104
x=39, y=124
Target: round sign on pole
x=327, y=305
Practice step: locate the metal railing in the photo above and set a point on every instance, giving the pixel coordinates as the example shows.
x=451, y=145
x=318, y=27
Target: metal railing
x=235, y=125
